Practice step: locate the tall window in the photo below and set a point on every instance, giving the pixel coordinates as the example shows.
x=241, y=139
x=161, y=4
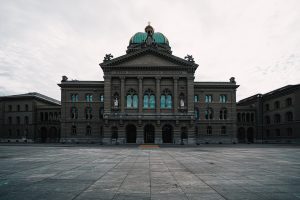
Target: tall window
x=197, y=116
x=267, y=107
x=209, y=113
x=267, y=118
x=18, y=120
x=9, y=120
x=277, y=104
x=166, y=99
x=89, y=98
x=277, y=118
x=223, y=113
x=239, y=117
x=73, y=130
x=289, y=116
x=46, y=116
x=252, y=117
x=223, y=98
x=209, y=130
x=9, y=108
x=149, y=99
x=196, y=98
x=26, y=107
x=223, y=130
x=278, y=132
x=116, y=100
x=88, y=113
x=26, y=120
x=132, y=99
x=74, y=113
x=18, y=132
x=101, y=98
x=42, y=116
x=74, y=97
x=18, y=108
x=208, y=98
x=88, y=130
x=288, y=101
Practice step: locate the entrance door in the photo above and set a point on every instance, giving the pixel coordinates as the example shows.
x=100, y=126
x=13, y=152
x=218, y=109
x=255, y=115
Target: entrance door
x=149, y=134
x=131, y=133
x=43, y=134
x=167, y=133
x=250, y=135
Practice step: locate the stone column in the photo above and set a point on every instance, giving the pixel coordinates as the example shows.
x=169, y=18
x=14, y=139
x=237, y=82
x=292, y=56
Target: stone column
x=107, y=94
x=140, y=94
x=190, y=94
x=157, y=95
x=175, y=94
x=122, y=95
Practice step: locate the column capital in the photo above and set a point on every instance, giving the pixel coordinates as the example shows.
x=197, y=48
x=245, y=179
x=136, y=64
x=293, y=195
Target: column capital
x=158, y=78
x=140, y=77
x=175, y=78
x=122, y=78
x=106, y=77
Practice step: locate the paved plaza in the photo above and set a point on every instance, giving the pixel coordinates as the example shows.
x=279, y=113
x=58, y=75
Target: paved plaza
x=134, y=172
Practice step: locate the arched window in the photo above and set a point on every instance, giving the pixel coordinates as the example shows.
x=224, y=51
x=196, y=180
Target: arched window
x=114, y=133
x=252, y=117
x=89, y=98
x=46, y=116
x=73, y=130
x=18, y=120
x=196, y=98
x=74, y=97
x=289, y=116
x=26, y=107
x=247, y=117
x=149, y=99
x=239, y=117
x=277, y=104
x=132, y=99
x=197, y=116
x=88, y=130
x=209, y=130
x=223, y=130
x=166, y=99
x=223, y=98
x=50, y=116
x=18, y=108
x=209, y=113
x=288, y=102
x=74, y=113
x=243, y=117
x=223, y=113
x=277, y=118
x=88, y=113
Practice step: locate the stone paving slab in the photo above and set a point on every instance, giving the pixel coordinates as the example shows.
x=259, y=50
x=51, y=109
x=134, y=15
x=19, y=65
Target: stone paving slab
x=130, y=172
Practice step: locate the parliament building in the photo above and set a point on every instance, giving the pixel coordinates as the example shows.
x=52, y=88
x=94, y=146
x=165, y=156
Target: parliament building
x=148, y=96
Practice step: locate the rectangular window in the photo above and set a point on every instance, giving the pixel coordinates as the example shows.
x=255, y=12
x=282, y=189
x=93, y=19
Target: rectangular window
x=89, y=98
x=10, y=108
x=26, y=107
x=9, y=120
x=267, y=106
x=223, y=98
x=101, y=98
x=74, y=97
x=208, y=98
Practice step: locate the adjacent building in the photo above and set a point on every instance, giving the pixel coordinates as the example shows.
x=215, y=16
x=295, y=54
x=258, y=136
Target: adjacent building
x=273, y=117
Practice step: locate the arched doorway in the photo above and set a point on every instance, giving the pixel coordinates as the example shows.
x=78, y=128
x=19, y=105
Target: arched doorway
x=43, y=134
x=167, y=133
x=250, y=135
x=241, y=135
x=53, y=134
x=131, y=133
x=149, y=133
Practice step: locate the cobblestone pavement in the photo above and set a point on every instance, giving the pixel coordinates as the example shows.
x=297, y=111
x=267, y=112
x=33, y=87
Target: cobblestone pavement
x=130, y=172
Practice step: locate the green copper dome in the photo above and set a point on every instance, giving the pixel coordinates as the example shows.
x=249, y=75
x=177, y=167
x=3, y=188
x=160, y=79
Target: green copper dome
x=140, y=37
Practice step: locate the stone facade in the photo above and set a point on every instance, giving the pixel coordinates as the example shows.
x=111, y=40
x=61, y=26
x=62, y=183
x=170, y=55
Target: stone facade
x=20, y=118
x=276, y=116
x=148, y=96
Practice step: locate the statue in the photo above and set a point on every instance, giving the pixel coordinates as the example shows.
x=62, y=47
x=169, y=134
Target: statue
x=116, y=102
x=189, y=58
x=181, y=103
x=108, y=57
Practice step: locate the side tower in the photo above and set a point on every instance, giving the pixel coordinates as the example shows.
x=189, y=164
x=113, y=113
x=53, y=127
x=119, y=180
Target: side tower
x=149, y=93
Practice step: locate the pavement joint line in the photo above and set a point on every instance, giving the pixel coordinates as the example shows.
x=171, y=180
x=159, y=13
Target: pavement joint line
x=116, y=194
x=197, y=176
x=99, y=178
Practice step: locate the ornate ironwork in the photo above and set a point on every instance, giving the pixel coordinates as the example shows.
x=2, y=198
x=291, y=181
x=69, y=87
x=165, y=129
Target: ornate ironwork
x=189, y=58
x=108, y=57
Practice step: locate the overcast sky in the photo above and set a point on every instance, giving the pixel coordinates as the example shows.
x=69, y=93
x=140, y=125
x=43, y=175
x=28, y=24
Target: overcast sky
x=257, y=42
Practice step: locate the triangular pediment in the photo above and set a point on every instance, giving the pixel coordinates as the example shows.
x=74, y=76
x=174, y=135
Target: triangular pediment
x=147, y=57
